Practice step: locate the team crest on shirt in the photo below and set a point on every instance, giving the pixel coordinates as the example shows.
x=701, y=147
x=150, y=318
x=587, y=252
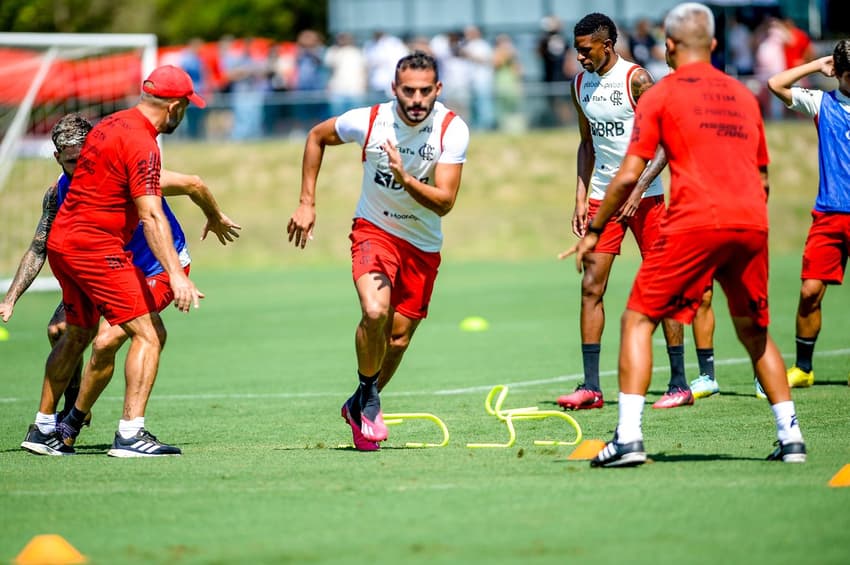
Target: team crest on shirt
x=617, y=98
x=427, y=152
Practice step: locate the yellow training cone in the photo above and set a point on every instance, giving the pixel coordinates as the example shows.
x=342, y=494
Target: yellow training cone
x=588, y=449
x=841, y=478
x=49, y=549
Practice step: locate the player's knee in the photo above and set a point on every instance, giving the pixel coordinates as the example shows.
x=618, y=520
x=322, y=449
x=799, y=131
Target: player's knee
x=375, y=314
x=811, y=294
x=55, y=331
x=399, y=343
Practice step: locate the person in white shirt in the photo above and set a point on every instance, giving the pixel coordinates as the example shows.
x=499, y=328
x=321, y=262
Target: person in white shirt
x=413, y=150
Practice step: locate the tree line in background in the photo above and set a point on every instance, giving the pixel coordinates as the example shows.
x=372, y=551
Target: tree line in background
x=172, y=22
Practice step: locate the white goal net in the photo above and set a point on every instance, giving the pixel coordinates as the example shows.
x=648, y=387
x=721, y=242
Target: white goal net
x=43, y=77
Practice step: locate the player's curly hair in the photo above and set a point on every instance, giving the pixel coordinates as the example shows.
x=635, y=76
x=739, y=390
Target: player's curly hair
x=71, y=130
x=419, y=60
x=596, y=23
x=841, y=57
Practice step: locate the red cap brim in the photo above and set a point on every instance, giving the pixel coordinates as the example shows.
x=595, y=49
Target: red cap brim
x=197, y=100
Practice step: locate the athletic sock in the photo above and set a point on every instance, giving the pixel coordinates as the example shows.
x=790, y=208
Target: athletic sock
x=705, y=359
x=631, y=413
x=787, y=427
x=590, y=358
x=46, y=423
x=75, y=418
x=677, y=367
x=370, y=401
x=805, y=350
x=129, y=428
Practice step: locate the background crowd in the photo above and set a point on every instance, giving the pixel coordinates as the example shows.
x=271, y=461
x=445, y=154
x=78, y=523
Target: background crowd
x=258, y=87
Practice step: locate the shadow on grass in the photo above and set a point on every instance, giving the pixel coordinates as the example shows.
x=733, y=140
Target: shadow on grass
x=681, y=457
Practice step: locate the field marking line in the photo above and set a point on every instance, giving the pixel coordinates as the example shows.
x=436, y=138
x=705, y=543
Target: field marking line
x=443, y=392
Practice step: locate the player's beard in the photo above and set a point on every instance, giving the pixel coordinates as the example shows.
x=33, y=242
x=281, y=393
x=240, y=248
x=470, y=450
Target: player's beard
x=173, y=121
x=424, y=112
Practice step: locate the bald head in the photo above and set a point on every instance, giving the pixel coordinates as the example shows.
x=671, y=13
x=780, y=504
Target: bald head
x=692, y=25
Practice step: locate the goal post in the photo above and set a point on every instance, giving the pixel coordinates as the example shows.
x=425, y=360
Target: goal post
x=45, y=76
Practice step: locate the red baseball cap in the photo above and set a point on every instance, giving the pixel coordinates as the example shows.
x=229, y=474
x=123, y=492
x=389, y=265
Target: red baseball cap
x=169, y=81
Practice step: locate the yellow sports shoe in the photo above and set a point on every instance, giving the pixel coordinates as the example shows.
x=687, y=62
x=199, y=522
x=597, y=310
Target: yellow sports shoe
x=798, y=378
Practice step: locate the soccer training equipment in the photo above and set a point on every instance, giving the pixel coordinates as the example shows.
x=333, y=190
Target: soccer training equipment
x=143, y=444
x=582, y=399
x=704, y=386
x=616, y=454
x=675, y=398
x=798, y=378
x=789, y=452
x=45, y=444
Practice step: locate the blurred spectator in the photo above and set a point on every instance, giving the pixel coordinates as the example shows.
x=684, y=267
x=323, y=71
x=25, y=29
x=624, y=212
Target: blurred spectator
x=279, y=75
x=382, y=54
x=310, y=78
x=799, y=48
x=552, y=48
x=191, y=62
x=507, y=85
x=740, y=45
x=771, y=38
x=454, y=71
x=657, y=64
x=479, y=56
x=642, y=43
x=348, y=79
x=246, y=78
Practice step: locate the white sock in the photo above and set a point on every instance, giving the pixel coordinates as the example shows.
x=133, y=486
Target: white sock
x=46, y=423
x=129, y=428
x=787, y=428
x=631, y=412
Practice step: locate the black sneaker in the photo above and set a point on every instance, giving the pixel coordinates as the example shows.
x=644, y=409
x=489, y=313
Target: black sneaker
x=45, y=444
x=790, y=452
x=616, y=454
x=143, y=444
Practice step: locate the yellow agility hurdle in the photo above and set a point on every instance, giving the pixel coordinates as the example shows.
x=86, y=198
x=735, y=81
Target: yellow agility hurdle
x=396, y=419
x=494, y=408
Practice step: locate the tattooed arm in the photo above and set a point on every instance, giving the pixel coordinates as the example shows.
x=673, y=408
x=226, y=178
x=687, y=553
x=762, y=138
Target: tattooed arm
x=33, y=260
x=641, y=81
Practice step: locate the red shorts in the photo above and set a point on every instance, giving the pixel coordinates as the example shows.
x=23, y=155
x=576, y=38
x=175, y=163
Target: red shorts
x=160, y=286
x=101, y=285
x=411, y=271
x=827, y=247
x=677, y=270
x=644, y=224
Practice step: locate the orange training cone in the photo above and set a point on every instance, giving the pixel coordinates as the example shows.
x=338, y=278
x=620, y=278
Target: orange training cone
x=49, y=549
x=841, y=478
x=588, y=449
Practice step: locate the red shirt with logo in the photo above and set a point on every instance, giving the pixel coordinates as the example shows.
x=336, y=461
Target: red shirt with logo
x=710, y=126
x=119, y=162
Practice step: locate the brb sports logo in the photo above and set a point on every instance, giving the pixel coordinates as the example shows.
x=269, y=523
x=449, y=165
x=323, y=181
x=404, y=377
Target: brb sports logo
x=607, y=129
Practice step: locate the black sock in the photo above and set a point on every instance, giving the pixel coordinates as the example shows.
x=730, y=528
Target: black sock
x=805, y=350
x=75, y=418
x=677, y=367
x=705, y=358
x=370, y=401
x=70, y=396
x=590, y=357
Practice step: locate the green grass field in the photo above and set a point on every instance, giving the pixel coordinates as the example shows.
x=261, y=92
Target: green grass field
x=250, y=387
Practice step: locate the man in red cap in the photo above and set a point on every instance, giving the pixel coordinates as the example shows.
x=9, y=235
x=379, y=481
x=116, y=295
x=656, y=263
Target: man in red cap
x=115, y=186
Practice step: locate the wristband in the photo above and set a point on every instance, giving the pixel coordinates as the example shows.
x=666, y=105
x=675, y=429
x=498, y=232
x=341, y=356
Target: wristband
x=592, y=229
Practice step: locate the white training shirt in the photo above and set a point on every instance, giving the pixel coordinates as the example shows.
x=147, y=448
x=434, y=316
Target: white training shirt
x=807, y=101
x=383, y=201
x=607, y=103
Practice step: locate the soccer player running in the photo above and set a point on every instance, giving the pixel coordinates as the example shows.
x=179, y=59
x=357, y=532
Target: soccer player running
x=716, y=227
x=828, y=243
x=68, y=135
x=413, y=150
x=604, y=95
x=115, y=186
